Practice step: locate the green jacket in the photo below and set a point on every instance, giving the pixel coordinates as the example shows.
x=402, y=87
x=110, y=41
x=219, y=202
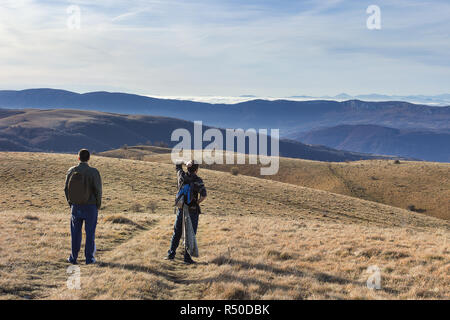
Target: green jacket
x=94, y=181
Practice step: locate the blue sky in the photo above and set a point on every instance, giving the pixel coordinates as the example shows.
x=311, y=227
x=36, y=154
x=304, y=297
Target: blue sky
x=227, y=48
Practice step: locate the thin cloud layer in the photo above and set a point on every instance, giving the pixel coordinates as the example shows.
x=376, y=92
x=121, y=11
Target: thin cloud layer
x=226, y=48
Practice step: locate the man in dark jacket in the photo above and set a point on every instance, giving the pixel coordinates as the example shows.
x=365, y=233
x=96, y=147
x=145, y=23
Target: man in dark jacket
x=194, y=208
x=86, y=211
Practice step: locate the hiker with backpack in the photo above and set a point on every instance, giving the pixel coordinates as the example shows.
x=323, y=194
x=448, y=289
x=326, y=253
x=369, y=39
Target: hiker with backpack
x=193, y=185
x=83, y=191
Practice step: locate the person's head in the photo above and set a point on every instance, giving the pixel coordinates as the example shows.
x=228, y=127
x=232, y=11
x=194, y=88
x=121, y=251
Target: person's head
x=192, y=166
x=84, y=155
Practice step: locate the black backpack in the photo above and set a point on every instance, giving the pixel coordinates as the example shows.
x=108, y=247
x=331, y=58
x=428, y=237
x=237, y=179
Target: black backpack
x=78, y=189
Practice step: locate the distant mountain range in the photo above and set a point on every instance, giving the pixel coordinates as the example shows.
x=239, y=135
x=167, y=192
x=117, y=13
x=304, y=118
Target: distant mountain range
x=390, y=127
x=436, y=100
x=421, y=144
x=64, y=130
x=288, y=116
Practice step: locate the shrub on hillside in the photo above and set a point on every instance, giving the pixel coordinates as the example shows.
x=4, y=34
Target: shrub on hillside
x=413, y=208
x=118, y=219
x=152, y=206
x=136, y=207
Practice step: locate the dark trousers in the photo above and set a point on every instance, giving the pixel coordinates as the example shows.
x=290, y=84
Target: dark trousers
x=87, y=213
x=178, y=230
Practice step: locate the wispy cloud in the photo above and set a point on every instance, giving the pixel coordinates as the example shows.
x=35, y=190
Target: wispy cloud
x=227, y=47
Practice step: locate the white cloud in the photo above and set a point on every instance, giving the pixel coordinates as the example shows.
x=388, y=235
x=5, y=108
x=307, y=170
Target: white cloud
x=226, y=47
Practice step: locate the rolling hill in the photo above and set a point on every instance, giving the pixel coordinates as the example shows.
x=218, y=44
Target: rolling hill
x=288, y=116
x=414, y=143
x=64, y=130
x=258, y=239
x=417, y=186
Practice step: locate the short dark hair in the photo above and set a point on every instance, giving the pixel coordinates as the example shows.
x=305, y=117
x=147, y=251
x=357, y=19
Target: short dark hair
x=193, y=168
x=84, y=155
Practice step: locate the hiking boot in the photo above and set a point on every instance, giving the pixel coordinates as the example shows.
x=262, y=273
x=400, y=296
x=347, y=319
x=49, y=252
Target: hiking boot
x=93, y=261
x=70, y=260
x=188, y=260
x=169, y=257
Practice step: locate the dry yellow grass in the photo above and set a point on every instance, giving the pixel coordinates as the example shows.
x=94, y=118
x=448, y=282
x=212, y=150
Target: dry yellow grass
x=258, y=239
x=424, y=185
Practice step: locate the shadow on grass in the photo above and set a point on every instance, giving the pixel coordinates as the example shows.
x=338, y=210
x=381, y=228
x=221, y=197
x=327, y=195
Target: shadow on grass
x=28, y=292
x=263, y=285
x=138, y=268
x=246, y=281
x=177, y=280
x=320, y=276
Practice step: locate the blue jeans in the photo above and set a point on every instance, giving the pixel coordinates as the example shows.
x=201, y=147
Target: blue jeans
x=178, y=230
x=87, y=213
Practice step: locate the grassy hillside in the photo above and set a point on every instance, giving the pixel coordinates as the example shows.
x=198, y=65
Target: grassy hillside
x=424, y=185
x=257, y=238
x=64, y=130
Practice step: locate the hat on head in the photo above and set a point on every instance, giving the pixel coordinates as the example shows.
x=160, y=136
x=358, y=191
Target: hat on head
x=192, y=165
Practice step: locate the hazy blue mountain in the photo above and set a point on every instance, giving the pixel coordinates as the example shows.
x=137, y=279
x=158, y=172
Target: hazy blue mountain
x=343, y=96
x=419, y=144
x=288, y=115
x=65, y=130
x=437, y=100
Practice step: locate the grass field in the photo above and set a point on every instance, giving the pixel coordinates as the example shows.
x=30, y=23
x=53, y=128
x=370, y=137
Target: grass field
x=258, y=239
x=421, y=186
